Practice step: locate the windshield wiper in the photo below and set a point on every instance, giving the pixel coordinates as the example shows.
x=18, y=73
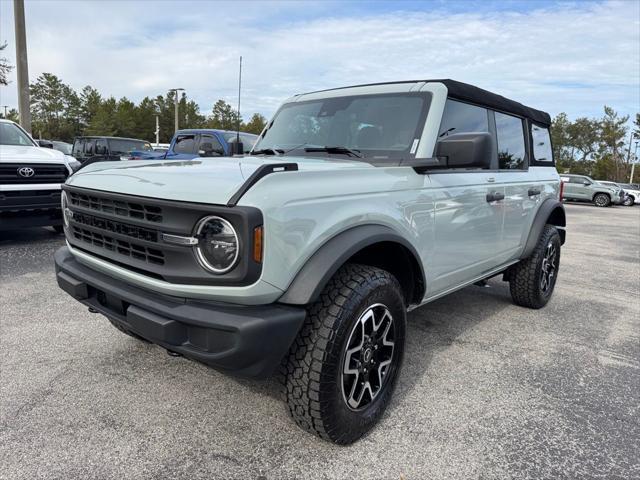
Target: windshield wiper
x=336, y=149
x=267, y=151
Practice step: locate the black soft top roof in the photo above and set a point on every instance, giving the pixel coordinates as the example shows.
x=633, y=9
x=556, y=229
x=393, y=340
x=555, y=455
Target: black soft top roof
x=469, y=93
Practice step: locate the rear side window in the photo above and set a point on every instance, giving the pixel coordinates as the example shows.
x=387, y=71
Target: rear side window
x=541, y=144
x=101, y=147
x=210, y=145
x=461, y=117
x=185, y=144
x=88, y=147
x=511, y=149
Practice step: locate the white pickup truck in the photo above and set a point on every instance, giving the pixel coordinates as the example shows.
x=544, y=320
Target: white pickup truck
x=30, y=178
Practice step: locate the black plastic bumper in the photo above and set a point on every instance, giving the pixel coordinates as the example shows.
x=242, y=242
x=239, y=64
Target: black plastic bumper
x=246, y=340
x=30, y=208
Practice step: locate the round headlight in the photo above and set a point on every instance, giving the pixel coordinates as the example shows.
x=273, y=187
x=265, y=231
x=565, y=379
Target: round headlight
x=63, y=205
x=217, y=249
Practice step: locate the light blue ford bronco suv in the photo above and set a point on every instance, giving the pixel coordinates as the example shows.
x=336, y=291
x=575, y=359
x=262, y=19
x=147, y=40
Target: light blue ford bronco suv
x=302, y=259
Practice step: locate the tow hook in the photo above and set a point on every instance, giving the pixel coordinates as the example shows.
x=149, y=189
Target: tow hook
x=171, y=353
x=93, y=310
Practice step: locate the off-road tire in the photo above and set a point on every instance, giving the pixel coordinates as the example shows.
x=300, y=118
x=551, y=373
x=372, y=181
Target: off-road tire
x=311, y=374
x=601, y=200
x=525, y=277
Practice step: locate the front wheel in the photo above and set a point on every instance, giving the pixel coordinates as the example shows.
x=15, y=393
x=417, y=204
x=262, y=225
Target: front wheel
x=340, y=373
x=533, y=279
x=601, y=200
x=629, y=201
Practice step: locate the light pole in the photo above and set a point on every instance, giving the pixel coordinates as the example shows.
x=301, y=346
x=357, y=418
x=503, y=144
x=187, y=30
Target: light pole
x=5, y=111
x=175, y=101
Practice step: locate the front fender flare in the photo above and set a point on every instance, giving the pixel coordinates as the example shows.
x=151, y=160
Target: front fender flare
x=325, y=262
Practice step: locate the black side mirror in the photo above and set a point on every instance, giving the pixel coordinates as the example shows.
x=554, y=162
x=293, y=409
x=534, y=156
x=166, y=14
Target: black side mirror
x=465, y=150
x=236, y=148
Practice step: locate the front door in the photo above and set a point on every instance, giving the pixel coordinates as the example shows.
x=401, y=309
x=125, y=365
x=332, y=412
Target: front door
x=468, y=227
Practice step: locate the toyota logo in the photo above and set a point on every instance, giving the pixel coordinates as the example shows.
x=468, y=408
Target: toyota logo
x=26, y=172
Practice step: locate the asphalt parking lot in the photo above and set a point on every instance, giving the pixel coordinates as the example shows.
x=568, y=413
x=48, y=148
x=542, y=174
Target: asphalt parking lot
x=488, y=390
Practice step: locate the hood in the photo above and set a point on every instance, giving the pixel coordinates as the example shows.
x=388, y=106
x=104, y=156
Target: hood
x=22, y=154
x=200, y=180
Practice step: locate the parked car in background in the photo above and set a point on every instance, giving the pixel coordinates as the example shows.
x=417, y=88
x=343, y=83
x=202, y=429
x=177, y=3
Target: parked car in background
x=188, y=144
x=63, y=147
x=632, y=193
x=30, y=178
x=305, y=256
x=581, y=188
x=92, y=149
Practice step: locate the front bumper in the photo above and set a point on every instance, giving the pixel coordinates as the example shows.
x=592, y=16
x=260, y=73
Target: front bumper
x=246, y=340
x=29, y=208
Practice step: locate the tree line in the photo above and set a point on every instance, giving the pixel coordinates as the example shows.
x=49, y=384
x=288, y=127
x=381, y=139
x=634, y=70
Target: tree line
x=602, y=148
x=58, y=112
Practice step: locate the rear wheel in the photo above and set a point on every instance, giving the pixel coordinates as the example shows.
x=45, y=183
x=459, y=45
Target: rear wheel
x=340, y=372
x=601, y=200
x=533, y=279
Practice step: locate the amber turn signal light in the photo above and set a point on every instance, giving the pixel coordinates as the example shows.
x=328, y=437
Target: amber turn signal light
x=257, y=244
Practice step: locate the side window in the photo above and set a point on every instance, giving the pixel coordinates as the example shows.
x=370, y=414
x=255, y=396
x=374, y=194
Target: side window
x=101, y=147
x=578, y=180
x=541, y=144
x=511, y=149
x=89, y=147
x=461, y=117
x=210, y=145
x=185, y=144
x=78, y=148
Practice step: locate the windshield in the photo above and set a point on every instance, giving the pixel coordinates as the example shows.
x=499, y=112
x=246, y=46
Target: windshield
x=380, y=127
x=120, y=146
x=11, y=134
x=62, y=147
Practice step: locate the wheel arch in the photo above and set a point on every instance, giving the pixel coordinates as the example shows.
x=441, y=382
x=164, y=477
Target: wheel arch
x=601, y=193
x=374, y=245
x=550, y=212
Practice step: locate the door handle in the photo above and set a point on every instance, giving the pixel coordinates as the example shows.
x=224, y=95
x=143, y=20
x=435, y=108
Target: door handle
x=495, y=197
x=533, y=191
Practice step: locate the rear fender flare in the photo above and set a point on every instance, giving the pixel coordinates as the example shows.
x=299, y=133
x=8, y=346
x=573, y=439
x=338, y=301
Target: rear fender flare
x=550, y=212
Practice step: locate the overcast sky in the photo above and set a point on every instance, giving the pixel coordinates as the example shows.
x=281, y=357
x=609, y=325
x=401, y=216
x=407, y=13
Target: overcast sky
x=569, y=56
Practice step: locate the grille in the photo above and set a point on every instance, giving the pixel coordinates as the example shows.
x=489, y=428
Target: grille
x=116, y=227
x=150, y=213
x=42, y=173
x=139, y=252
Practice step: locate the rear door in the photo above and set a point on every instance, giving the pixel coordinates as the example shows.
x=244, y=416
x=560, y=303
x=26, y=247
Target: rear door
x=522, y=193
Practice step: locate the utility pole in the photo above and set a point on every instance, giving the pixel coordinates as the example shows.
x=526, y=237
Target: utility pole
x=5, y=110
x=24, y=103
x=175, y=101
x=633, y=165
x=157, y=129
